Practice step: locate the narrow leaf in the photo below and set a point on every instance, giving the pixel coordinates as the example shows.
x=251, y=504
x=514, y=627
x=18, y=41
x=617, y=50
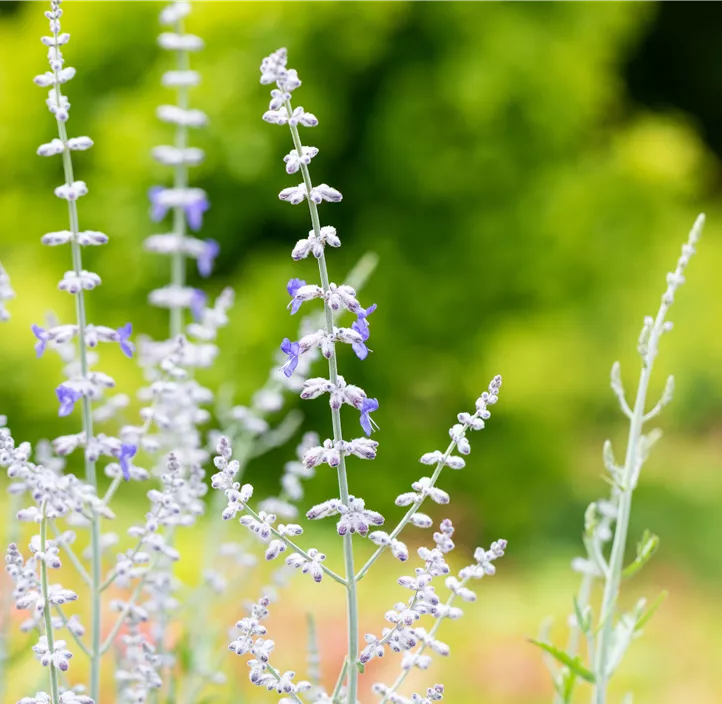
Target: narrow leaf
x=646, y=548
x=644, y=619
x=574, y=664
x=581, y=619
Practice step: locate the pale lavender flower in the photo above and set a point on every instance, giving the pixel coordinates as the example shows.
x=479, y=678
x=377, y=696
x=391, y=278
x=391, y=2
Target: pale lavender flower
x=59, y=657
x=368, y=406
x=124, y=334
x=207, y=256
x=198, y=304
x=127, y=452
x=193, y=201
x=293, y=160
x=42, y=337
x=361, y=323
x=67, y=397
x=292, y=349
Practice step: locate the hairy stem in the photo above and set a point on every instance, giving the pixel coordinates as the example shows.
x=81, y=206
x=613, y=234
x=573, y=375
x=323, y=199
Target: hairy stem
x=54, y=688
x=412, y=509
x=180, y=180
x=298, y=549
x=432, y=633
x=339, y=682
x=352, y=599
x=76, y=638
x=6, y=601
x=71, y=554
x=648, y=347
x=90, y=473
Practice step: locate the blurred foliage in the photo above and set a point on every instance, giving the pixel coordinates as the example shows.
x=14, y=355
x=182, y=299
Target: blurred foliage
x=524, y=208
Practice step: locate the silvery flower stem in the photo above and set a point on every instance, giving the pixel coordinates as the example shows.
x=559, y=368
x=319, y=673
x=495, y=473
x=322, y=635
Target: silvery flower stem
x=128, y=606
x=432, y=633
x=180, y=180
x=616, y=561
x=352, y=600
x=6, y=601
x=276, y=674
x=71, y=554
x=412, y=510
x=54, y=688
x=298, y=549
x=110, y=493
x=339, y=682
x=76, y=638
x=90, y=474
x=114, y=573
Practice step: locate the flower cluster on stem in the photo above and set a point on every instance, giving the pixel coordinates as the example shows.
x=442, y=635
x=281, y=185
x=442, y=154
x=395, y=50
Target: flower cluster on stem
x=83, y=385
x=335, y=297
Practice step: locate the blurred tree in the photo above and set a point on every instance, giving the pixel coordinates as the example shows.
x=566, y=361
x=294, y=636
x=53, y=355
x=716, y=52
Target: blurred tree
x=525, y=210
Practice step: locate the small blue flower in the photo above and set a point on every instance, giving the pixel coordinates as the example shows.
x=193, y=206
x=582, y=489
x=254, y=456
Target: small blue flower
x=207, y=257
x=194, y=213
x=368, y=406
x=43, y=338
x=292, y=288
x=126, y=345
x=292, y=349
x=158, y=209
x=198, y=303
x=361, y=325
x=67, y=397
x=127, y=452
x=194, y=205
x=360, y=349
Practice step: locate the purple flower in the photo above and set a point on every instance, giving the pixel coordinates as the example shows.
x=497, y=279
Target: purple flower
x=292, y=288
x=193, y=201
x=360, y=349
x=194, y=213
x=127, y=452
x=67, y=398
x=367, y=407
x=158, y=209
x=198, y=303
x=207, y=257
x=292, y=349
x=361, y=325
x=126, y=345
x=43, y=338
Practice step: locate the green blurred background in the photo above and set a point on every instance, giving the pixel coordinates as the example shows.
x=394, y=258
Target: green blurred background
x=526, y=173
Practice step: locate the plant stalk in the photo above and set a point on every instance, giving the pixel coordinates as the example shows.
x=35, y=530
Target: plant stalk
x=54, y=687
x=90, y=473
x=180, y=180
x=352, y=599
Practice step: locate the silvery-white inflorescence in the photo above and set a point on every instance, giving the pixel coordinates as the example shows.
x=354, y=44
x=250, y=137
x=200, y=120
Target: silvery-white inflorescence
x=175, y=404
x=53, y=493
x=350, y=512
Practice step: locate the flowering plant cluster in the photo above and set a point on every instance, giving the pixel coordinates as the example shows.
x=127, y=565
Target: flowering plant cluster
x=136, y=602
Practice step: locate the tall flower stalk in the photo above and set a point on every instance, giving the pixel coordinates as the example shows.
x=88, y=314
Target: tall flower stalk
x=627, y=477
x=274, y=70
x=82, y=386
x=186, y=204
x=608, y=521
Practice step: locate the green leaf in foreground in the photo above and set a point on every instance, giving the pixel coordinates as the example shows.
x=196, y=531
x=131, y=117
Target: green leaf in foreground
x=644, y=619
x=574, y=664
